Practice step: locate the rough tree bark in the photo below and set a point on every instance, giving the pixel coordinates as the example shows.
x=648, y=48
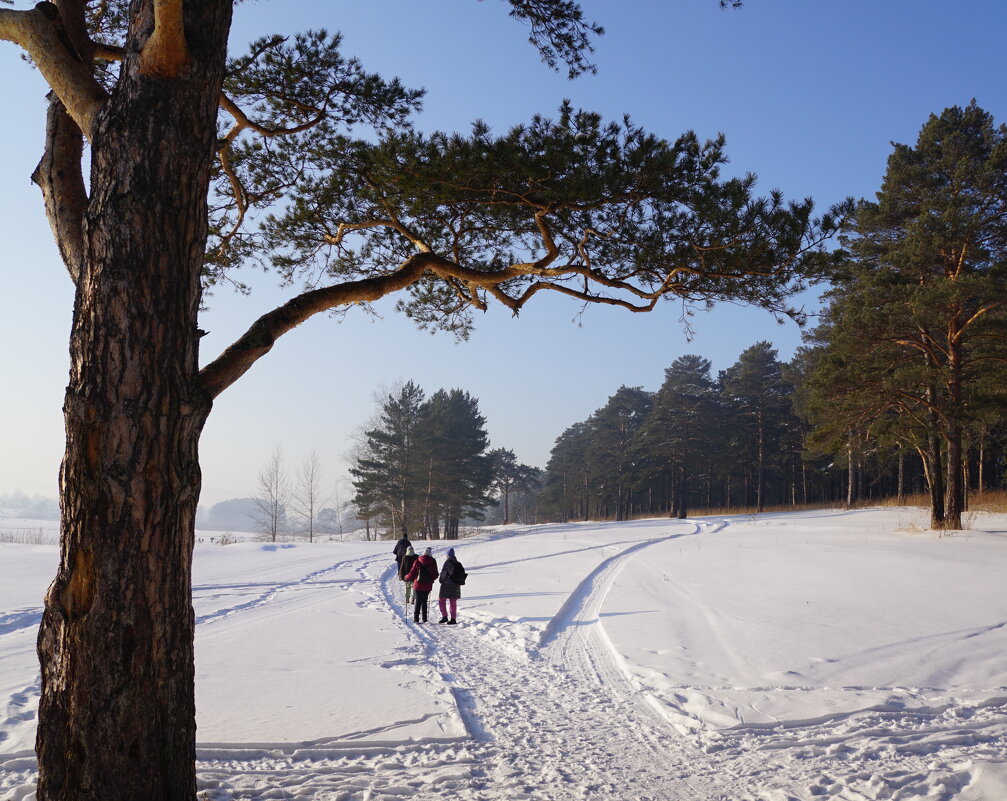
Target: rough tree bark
x=116, y=715
x=761, y=464
x=851, y=474
x=683, y=494
x=932, y=468
x=954, y=503
x=116, y=640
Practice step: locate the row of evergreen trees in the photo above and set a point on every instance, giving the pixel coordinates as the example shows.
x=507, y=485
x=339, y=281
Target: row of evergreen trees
x=424, y=465
x=733, y=440
x=762, y=433
x=899, y=389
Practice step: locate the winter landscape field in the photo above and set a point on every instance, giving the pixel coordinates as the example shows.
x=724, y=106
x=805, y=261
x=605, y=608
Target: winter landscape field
x=830, y=654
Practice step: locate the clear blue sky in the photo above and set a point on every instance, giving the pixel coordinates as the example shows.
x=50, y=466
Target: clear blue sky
x=810, y=93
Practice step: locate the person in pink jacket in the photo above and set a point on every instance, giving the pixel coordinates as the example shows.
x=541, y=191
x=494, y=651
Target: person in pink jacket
x=422, y=574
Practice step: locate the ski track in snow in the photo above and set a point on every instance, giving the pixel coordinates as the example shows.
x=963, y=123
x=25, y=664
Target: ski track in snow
x=563, y=719
x=566, y=720
x=270, y=590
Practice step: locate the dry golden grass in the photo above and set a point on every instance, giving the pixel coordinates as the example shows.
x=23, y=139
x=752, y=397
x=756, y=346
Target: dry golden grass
x=989, y=501
x=29, y=536
x=747, y=510
x=907, y=500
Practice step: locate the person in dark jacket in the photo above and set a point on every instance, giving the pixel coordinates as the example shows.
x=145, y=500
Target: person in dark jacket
x=400, y=549
x=422, y=574
x=408, y=560
x=451, y=590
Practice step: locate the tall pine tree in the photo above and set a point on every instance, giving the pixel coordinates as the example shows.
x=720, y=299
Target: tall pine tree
x=675, y=437
x=927, y=282
x=612, y=431
x=385, y=470
x=760, y=398
x=455, y=470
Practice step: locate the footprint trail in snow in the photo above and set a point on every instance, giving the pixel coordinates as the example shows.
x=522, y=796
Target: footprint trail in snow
x=552, y=711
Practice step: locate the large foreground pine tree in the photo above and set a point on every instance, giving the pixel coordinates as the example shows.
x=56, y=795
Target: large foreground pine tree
x=916, y=325
x=185, y=146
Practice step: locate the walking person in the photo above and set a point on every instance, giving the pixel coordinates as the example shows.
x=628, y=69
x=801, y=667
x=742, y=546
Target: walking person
x=408, y=560
x=422, y=574
x=400, y=549
x=452, y=577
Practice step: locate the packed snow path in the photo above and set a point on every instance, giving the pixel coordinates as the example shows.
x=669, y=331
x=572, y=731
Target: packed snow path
x=564, y=718
x=537, y=728
x=576, y=703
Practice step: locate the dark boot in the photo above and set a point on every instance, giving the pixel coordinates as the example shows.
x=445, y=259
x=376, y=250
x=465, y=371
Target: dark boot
x=443, y=620
x=451, y=622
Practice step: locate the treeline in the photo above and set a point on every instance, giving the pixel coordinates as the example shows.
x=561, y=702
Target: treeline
x=424, y=464
x=763, y=433
x=698, y=442
x=899, y=389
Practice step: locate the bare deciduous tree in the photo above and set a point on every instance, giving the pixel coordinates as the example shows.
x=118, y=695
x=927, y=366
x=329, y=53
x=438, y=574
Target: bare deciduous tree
x=270, y=512
x=306, y=498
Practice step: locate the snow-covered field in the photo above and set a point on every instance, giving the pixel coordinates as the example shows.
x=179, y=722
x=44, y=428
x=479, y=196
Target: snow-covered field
x=785, y=657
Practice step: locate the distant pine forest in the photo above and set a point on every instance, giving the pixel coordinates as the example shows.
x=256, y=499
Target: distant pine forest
x=898, y=389
x=761, y=434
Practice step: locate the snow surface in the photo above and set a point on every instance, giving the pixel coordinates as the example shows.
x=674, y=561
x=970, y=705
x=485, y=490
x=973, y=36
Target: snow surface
x=783, y=657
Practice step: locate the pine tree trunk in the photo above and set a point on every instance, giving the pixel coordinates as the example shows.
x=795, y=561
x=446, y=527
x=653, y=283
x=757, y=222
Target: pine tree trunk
x=793, y=480
x=901, y=489
x=761, y=478
x=672, y=493
x=980, y=480
x=934, y=473
x=966, y=476
x=935, y=485
x=683, y=492
x=117, y=711
x=851, y=472
x=955, y=495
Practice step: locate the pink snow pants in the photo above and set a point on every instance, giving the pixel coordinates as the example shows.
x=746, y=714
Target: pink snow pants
x=443, y=603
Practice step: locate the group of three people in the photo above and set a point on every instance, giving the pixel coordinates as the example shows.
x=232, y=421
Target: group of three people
x=419, y=574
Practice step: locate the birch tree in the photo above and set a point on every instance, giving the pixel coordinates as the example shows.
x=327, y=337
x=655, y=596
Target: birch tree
x=306, y=495
x=273, y=498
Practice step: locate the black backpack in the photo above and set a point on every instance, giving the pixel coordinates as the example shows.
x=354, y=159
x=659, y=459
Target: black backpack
x=458, y=575
x=428, y=572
